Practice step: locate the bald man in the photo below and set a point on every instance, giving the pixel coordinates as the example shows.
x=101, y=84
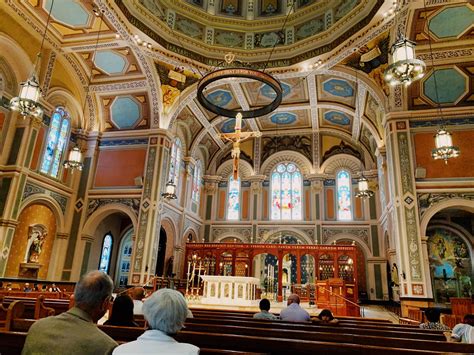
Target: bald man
x=294, y=313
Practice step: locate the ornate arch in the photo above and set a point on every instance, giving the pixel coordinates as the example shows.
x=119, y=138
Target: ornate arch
x=60, y=97
x=341, y=161
x=226, y=168
x=191, y=231
x=299, y=159
x=292, y=231
x=233, y=234
x=359, y=241
x=104, y=211
x=462, y=204
x=17, y=59
x=51, y=203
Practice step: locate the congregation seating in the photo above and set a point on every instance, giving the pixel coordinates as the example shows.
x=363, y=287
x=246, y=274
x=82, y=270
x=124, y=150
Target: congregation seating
x=212, y=330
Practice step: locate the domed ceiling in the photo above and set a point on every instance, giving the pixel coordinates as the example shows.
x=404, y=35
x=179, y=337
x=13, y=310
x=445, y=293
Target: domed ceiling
x=252, y=29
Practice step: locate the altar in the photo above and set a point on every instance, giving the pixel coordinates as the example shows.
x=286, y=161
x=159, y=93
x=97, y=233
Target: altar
x=230, y=290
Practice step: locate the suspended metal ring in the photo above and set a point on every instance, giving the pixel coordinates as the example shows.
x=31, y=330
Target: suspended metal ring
x=240, y=73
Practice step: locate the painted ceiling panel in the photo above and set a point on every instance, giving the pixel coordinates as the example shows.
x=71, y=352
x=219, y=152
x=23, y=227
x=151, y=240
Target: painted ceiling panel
x=445, y=86
x=110, y=62
x=125, y=112
x=452, y=21
x=69, y=12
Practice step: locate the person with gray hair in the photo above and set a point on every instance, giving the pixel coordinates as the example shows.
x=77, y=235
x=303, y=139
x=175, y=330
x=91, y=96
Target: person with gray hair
x=165, y=312
x=75, y=332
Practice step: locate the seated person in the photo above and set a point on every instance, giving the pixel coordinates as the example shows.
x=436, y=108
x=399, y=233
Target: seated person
x=432, y=316
x=27, y=288
x=35, y=287
x=54, y=288
x=462, y=332
x=165, y=312
x=264, y=311
x=122, y=312
x=325, y=317
x=137, y=294
x=294, y=313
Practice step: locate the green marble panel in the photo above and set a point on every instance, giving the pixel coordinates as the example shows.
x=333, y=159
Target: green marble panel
x=85, y=259
x=4, y=188
x=378, y=281
x=375, y=240
x=16, y=145
x=31, y=146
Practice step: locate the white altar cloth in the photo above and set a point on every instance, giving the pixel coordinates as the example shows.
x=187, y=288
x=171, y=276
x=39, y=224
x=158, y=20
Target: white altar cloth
x=230, y=290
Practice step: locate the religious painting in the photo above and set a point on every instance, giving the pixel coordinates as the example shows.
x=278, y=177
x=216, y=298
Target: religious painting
x=36, y=238
x=270, y=7
x=231, y=7
x=450, y=264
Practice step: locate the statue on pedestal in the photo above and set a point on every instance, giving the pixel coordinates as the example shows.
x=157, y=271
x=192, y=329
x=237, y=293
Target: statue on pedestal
x=36, y=237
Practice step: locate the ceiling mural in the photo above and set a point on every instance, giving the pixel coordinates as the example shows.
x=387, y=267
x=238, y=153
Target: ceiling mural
x=179, y=40
x=126, y=112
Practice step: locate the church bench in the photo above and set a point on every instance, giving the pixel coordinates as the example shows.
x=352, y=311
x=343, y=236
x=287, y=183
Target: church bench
x=387, y=326
x=58, y=305
x=420, y=334
x=11, y=343
x=383, y=341
x=285, y=346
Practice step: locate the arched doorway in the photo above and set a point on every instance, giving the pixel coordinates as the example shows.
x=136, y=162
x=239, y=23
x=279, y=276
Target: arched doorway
x=160, y=259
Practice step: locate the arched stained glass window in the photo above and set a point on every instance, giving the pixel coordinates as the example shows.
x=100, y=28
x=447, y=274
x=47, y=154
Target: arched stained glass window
x=196, y=182
x=106, y=253
x=125, y=259
x=286, y=186
x=175, y=161
x=343, y=183
x=56, y=142
x=233, y=199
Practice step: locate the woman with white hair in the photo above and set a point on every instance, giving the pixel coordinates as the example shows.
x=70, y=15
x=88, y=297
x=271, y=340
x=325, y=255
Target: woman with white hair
x=165, y=312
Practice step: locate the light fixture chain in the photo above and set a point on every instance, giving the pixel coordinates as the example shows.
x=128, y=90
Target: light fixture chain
x=44, y=35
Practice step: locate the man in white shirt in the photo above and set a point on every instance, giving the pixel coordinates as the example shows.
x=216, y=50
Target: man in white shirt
x=294, y=313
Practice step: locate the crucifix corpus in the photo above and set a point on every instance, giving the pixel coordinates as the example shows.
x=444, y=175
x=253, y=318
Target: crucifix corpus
x=236, y=137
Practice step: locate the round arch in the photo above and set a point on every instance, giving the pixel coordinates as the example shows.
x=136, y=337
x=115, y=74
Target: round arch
x=303, y=163
x=60, y=97
x=240, y=237
x=194, y=236
x=346, y=236
x=17, y=59
x=51, y=203
x=341, y=161
x=105, y=211
x=290, y=231
x=462, y=204
x=226, y=168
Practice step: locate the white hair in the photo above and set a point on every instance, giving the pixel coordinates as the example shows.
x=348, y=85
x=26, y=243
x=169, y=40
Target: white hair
x=166, y=310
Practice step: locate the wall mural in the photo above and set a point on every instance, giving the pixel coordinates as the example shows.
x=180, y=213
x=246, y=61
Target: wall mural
x=450, y=265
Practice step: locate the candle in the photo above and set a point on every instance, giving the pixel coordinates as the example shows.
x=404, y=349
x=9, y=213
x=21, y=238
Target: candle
x=189, y=267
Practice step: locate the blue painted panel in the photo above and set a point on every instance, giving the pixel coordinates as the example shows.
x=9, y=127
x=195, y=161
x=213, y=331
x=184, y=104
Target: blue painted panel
x=451, y=86
x=125, y=112
x=220, y=98
x=268, y=92
x=339, y=88
x=69, y=12
x=283, y=118
x=229, y=126
x=452, y=21
x=110, y=62
x=337, y=117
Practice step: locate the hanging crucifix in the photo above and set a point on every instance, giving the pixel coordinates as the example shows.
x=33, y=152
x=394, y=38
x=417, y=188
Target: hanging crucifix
x=237, y=137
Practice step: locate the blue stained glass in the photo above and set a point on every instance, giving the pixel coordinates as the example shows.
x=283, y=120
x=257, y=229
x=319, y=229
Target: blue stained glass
x=196, y=182
x=175, y=161
x=56, y=142
x=286, y=192
x=233, y=203
x=344, y=211
x=106, y=253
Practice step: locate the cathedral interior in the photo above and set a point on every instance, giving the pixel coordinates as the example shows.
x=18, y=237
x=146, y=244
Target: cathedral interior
x=119, y=81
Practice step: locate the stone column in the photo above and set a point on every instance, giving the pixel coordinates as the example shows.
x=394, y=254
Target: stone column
x=404, y=214
x=210, y=204
x=145, y=249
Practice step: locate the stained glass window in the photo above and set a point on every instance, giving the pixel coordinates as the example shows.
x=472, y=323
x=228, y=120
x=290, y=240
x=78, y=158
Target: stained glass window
x=286, y=182
x=106, y=253
x=125, y=258
x=56, y=142
x=233, y=199
x=343, y=183
x=175, y=162
x=196, y=182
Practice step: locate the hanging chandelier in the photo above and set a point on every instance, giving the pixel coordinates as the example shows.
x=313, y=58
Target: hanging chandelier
x=74, y=160
x=27, y=101
x=444, y=146
x=170, y=191
x=405, y=68
x=363, y=188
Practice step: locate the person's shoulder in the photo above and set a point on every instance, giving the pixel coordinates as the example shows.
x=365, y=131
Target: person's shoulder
x=185, y=348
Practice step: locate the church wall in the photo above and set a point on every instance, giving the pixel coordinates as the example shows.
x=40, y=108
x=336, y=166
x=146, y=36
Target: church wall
x=330, y=204
x=38, y=149
x=119, y=168
x=222, y=204
x=462, y=166
x=245, y=204
x=31, y=215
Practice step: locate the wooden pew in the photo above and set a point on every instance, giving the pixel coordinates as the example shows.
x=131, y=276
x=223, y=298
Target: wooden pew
x=383, y=341
x=434, y=335
x=41, y=311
